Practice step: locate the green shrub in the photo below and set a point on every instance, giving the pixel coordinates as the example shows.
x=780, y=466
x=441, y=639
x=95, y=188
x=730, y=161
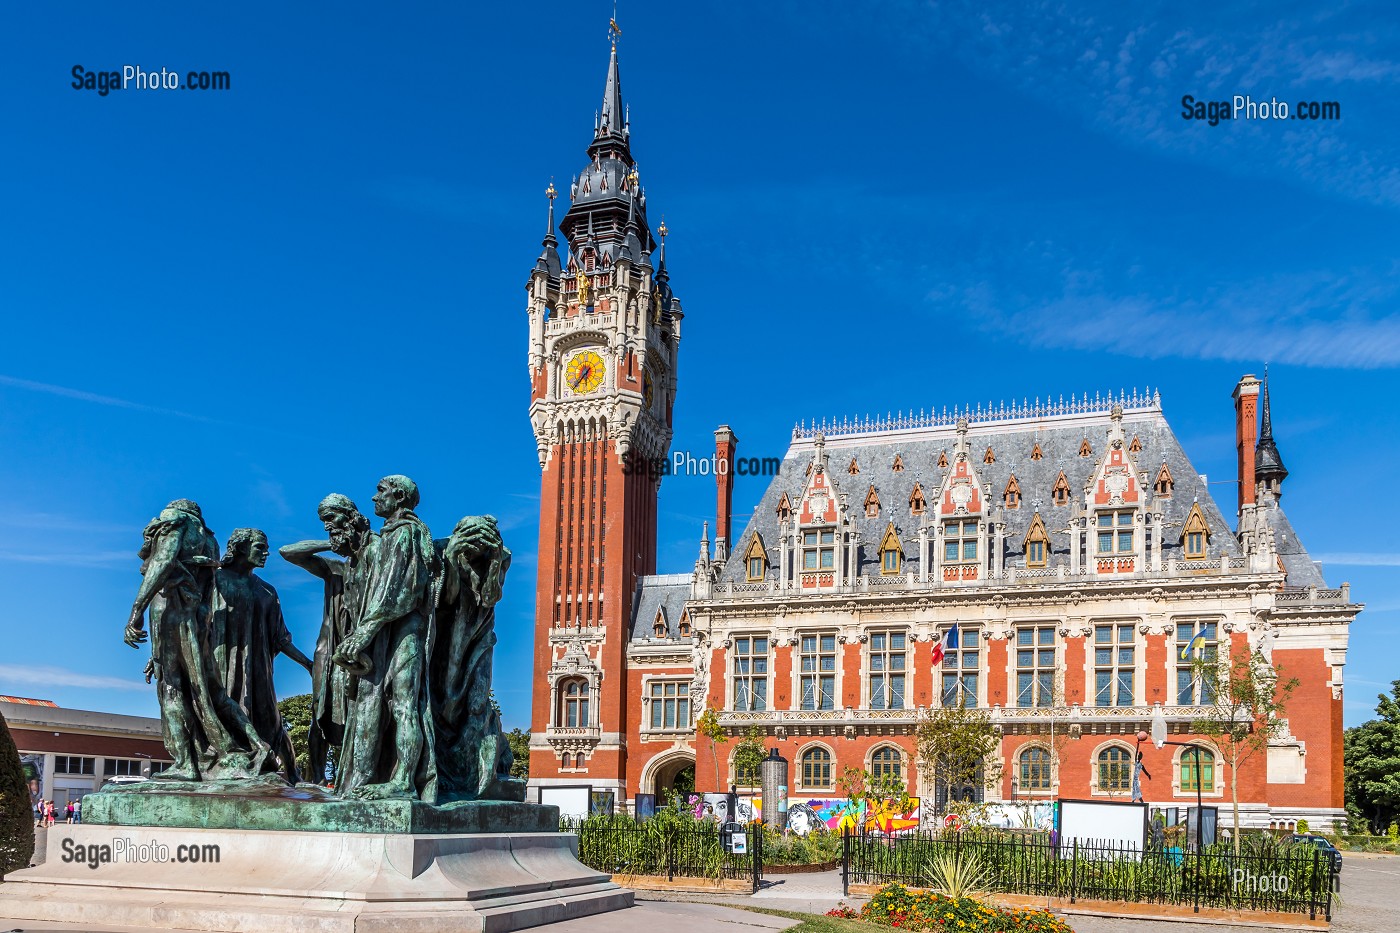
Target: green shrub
x=16, y=817
x=1302, y=826
x=896, y=906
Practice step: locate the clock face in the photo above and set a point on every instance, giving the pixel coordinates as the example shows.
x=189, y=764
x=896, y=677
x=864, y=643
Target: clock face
x=585, y=372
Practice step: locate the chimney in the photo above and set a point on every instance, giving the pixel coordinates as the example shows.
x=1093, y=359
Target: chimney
x=725, y=443
x=1246, y=433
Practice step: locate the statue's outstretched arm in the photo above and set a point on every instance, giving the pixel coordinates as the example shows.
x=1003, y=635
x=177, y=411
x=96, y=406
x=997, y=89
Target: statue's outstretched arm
x=307, y=556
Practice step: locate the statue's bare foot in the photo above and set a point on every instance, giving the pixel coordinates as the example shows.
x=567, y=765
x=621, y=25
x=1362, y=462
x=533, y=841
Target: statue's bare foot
x=382, y=791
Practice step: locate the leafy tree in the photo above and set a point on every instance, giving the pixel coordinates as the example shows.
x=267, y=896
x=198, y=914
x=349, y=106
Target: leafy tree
x=958, y=745
x=709, y=727
x=16, y=817
x=1371, y=756
x=519, y=741
x=296, y=713
x=749, y=753
x=1245, y=712
x=867, y=794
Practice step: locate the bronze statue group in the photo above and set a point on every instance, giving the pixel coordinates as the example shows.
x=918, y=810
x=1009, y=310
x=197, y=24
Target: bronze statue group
x=401, y=673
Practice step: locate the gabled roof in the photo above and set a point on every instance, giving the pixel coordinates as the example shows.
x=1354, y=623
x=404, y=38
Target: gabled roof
x=665, y=593
x=1059, y=436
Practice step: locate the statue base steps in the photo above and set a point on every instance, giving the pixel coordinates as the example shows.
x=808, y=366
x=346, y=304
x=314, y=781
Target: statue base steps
x=308, y=882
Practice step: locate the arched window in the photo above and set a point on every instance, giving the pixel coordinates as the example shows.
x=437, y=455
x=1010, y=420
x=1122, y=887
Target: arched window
x=564, y=762
x=1194, y=771
x=1033, y=766
x=573, y=711
x=1115, y=766
x=886, y=761
x=816, y=767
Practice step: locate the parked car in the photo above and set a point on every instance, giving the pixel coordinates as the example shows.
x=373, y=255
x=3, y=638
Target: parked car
x=123, y=779
x=1328, y=850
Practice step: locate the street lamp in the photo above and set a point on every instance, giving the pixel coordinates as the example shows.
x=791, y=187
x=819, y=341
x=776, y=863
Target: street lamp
x=1196, y=758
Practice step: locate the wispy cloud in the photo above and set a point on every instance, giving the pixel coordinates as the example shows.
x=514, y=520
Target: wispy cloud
x=1359, y=559
x=62, y=677
x=82, y=396
x=73, y=559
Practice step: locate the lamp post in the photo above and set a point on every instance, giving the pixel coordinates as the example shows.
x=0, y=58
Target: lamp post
x=1196, y=758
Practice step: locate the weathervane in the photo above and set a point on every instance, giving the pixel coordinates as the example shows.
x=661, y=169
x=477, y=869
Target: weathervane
x=613, y=29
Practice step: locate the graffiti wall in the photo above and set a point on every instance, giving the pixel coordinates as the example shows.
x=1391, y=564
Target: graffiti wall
x=807, y=814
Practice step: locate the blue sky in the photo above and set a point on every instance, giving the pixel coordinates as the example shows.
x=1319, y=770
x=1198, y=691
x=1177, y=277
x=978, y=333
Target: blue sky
x=258, y=296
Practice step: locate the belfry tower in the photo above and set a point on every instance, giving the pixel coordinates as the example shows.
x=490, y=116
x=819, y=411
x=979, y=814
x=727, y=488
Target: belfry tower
x=604, y=335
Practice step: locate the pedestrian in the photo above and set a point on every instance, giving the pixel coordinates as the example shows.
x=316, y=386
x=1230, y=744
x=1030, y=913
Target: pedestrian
x=68, y=813
x=50, y=811
x=38, y=813
x=78, y=810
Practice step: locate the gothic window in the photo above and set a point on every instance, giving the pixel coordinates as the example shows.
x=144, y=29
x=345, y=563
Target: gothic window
x=917, y=505
x=1114, y=665
x=1163, y=486
x=1011, y=496
x=1033, y=769
x=960, y=541
x=943, y=460
x=1136, y=446
x=886, y=761
x=1037, y=545
x=854, y=468
x=755, y=560
x=670, y=704
x=750, y=673
x=989, y=457
x=891, y=552
x=1115, y=532
x=1115, y=767
x=1036, y=452
x=887, y=669
x=784, y=509
x=573, y=712
x=817, y=671
x=819, y=549
x=1060, y=492
x=898, y=466
x=1197, y=769
x=1084, y=449
x=816, y=768
x=1035, y=665
x=872, y=503
x=962, y=662
x=1195, y=534
x=1195, y=641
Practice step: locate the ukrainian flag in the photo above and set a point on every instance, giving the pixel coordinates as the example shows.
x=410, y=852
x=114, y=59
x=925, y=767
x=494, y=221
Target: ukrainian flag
x=1197, y=642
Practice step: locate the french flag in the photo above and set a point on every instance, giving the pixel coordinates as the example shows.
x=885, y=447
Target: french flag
x=949, y=640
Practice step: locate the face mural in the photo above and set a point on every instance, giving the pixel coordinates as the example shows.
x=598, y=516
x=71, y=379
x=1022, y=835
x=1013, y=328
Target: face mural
x=806, y=815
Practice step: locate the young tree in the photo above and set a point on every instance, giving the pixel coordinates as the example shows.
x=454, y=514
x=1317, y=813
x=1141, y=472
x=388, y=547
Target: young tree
x=958, y=746
x=296, y=713
x=867, y=795
x=1372, y=764
x=519, y=741
x=1245, y=711
x=749, y=753
x=16, y=817
x=709, y=727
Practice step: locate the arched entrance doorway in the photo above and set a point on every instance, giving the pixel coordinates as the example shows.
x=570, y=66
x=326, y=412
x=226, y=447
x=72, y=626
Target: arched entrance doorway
x=669, y=773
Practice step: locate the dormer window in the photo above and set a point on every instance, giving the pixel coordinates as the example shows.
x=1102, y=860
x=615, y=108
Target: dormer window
x=891, y=553
x=1036, y=452
x=1195, y=534
x=1060, y=492
x=1136, y=446
x=872, y=504
x=658, y=628
x=1011, y=496
x=1115, y=532
x=854, y=468
x=819, y=549
x=943, y=460
x=1084, y=449
x=784, y=509
x=1037, y=545
x=989, y=457
x=917, y=505
x=685, y=625
x=960, y=541
x=1163, y=486
x=755, y=560
x=898, y=466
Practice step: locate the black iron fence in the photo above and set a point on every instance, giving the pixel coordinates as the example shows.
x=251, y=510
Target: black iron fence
x=661, y=848
x=1293, y=880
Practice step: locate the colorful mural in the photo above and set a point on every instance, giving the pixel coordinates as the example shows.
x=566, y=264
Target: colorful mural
x=805, y=815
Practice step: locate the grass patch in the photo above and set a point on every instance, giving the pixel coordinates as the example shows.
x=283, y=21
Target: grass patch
x=811, y=923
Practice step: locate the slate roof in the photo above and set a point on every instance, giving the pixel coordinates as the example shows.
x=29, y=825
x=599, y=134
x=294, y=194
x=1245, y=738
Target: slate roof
x=1012, y=441
x=1301, y=569
x=667, y=592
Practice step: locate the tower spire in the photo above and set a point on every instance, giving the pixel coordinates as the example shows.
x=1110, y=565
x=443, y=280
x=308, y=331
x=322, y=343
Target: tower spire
x=1268, y=465
x=610, y=129
x=549, y=256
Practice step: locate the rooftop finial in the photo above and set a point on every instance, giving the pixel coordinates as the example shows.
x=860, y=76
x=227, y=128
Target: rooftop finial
x=551, y=194
x=1268, y=465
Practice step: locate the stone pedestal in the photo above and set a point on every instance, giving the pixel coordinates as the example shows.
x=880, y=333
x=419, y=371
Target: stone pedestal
x=235, y=880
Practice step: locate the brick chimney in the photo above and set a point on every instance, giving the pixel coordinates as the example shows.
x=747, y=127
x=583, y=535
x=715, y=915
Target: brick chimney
x=725, y=444
x=1246, y=434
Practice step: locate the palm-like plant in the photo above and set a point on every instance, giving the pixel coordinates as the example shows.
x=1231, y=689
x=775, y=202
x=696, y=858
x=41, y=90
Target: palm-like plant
x=956, y=874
